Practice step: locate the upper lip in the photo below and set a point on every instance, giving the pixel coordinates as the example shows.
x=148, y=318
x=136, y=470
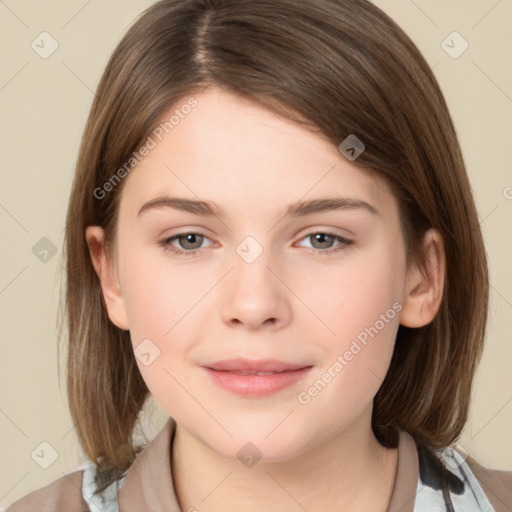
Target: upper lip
x=254, y=365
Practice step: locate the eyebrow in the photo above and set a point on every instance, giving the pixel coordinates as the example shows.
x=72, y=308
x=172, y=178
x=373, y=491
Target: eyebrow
x=297, y=209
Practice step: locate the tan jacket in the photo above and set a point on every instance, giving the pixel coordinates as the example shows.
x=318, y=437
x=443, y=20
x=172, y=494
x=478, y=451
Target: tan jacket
x=148, y=485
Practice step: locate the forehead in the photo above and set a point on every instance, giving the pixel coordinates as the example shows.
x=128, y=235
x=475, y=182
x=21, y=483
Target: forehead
x=243, y=156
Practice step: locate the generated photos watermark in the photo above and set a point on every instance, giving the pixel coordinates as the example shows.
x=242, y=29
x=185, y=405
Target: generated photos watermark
x=342, y=360
x=157, y=135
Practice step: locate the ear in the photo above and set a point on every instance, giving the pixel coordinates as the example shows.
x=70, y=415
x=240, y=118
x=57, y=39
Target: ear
x=423, y=294
x=108, y=277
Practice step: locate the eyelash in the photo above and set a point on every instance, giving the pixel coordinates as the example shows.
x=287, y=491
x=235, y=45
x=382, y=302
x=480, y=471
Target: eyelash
x=166, y=244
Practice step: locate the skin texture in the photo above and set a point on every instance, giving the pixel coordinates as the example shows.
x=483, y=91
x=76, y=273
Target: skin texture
x=292, y=304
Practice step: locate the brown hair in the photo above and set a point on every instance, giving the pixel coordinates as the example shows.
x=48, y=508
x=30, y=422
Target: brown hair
x=343, y=67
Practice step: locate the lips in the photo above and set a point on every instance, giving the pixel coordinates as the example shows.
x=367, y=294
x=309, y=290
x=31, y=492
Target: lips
x=254, y=367
x=256, y=378
x=250, y=373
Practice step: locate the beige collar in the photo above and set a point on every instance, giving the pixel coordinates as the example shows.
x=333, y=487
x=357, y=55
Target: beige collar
x=149, y=485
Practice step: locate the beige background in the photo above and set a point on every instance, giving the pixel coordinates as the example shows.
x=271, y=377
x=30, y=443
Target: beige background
x=44, y=104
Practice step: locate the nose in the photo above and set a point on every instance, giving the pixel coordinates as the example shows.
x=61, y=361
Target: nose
x=255, y=295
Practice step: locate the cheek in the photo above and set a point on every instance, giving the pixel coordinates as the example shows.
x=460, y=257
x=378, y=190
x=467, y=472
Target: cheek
x=160, y=312
x=156, y=294
x=354, y=295
x=163, y=308
x=361, y=308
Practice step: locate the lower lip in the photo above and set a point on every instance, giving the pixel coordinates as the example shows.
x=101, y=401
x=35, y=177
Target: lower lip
x=257, y=385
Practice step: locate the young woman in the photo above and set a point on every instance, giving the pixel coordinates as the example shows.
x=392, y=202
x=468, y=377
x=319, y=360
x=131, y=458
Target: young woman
x=272, y=233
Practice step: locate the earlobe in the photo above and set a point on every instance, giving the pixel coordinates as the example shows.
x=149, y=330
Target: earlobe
x=424, y=293
x=107, y=275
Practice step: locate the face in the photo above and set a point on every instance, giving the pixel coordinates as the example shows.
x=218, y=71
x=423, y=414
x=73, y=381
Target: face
x=317, y=288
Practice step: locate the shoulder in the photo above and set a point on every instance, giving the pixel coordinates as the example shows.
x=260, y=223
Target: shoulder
x=63, y=494
x=73, y=492
x=452, y=480
x=496, y=484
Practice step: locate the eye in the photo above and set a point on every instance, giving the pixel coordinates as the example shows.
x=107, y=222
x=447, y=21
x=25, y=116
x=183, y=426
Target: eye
x=322, y=242
x=190, y=241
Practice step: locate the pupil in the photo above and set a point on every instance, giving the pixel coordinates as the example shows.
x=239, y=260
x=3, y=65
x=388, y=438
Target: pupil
x=190, y=238
x=321, y=238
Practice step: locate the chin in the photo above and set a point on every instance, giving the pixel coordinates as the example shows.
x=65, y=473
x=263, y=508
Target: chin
x=252, y=439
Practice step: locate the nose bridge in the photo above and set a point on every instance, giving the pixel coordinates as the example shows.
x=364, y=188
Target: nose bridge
x=250, y=250
x=254, y=293
x=252, y=262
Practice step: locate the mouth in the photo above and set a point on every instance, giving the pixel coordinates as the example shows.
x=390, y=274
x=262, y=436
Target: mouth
x=264, y=378
x=252, y=366
x=249, y=373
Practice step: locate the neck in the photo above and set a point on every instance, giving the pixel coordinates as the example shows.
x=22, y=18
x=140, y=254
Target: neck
x=349, y=470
